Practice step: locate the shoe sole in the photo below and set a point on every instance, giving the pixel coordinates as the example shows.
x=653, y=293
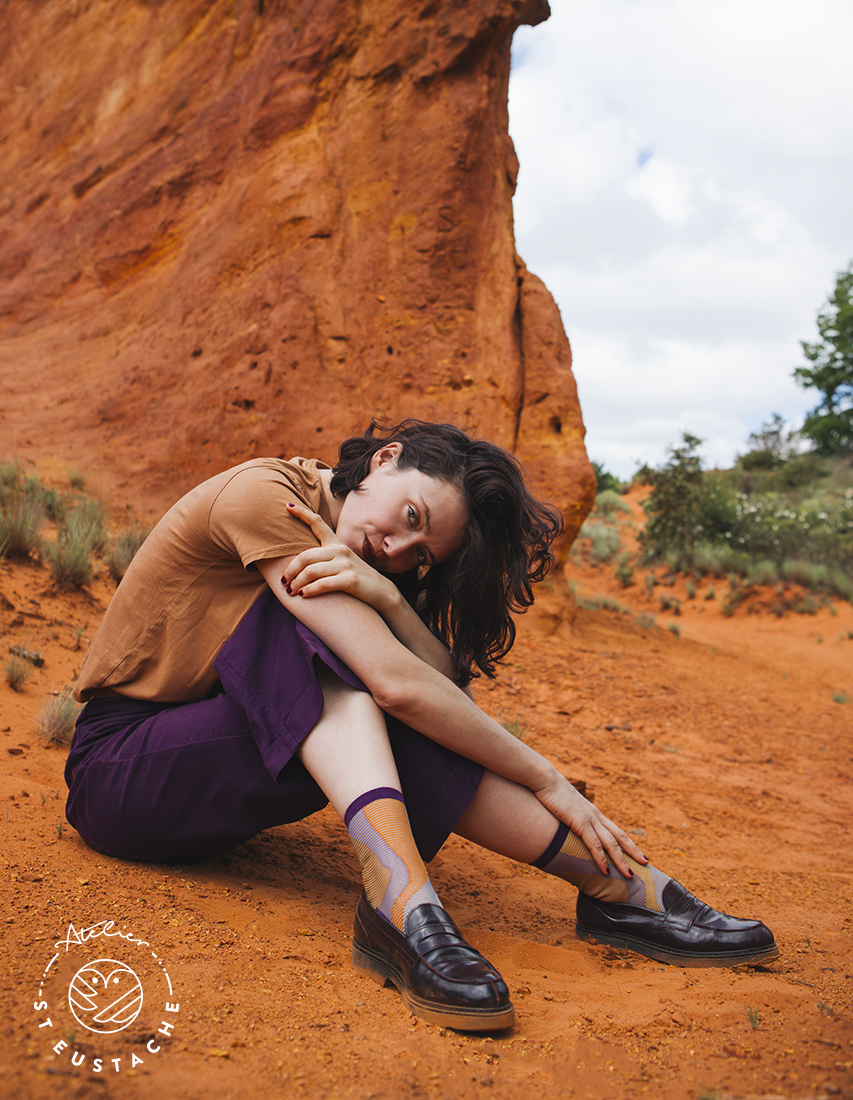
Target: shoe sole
x=371, y=964
x=680, y=958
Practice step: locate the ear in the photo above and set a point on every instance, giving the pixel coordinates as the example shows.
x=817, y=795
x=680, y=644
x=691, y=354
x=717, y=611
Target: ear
x=387, y=456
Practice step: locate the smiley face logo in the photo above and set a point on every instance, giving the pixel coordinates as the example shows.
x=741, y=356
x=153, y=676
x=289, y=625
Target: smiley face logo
x=105, y=996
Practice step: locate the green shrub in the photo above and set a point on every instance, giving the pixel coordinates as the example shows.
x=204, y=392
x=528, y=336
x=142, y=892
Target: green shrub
x=805, y=573
x=11, y=477
x=625, y=571
x=673, y=628
x=89, y=521
x=18, y=670
x=691, y=590
x=762, y=572
x=672, y=506
x=124, y=548
x=604, y=480
x=21, y=521
x=604, y=538
x=841, y=583
x=69, y=559
x=608, y=502
x=56, y=718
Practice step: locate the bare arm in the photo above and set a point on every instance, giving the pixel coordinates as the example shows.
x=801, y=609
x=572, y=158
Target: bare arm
x=333, y=567
x=410, y=689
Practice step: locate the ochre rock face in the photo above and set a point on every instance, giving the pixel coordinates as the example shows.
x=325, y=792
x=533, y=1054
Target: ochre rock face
x=233, y=229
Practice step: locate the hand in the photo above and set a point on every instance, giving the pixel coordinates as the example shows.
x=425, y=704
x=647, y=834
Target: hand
x=602, y=836
x=334, y=567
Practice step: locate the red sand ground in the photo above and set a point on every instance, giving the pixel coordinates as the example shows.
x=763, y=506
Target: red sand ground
x=723, y=749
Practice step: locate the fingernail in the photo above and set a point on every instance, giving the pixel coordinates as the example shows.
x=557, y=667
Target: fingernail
x=300, y=592
x=290, y=504
x=288, y=590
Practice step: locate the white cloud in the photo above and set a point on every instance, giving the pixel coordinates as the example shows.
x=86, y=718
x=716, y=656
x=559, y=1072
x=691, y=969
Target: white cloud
x=683, y=192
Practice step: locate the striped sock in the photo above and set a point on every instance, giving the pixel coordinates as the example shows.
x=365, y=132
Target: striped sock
x=568, y=858
x=394, y=875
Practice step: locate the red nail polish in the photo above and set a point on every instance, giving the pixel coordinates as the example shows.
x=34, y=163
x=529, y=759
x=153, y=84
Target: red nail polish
x=300, y=592
x=288, y=590
x=290, y=504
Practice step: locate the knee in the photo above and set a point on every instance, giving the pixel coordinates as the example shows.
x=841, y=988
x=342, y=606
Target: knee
x=342, y=700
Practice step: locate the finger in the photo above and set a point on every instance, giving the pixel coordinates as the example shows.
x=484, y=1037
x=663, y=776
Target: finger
x=611, y=846
x=322, y=570
x=624, y=841
x=306, y=558
x=317, y=524
x=596, y=849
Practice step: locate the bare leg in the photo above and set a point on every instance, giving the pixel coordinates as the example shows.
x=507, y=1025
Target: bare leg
x=649, y=913
x=402, y=933
x=348, y=751
x=509, y=819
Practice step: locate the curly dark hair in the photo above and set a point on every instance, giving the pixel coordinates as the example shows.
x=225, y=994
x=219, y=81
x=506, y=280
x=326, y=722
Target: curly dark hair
x=467, y=600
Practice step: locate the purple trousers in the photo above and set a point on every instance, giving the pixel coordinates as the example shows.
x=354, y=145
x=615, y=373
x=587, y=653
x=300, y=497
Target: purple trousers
x=180, y=782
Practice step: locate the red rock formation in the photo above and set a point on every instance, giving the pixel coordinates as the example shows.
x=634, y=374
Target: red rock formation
x=240, y=228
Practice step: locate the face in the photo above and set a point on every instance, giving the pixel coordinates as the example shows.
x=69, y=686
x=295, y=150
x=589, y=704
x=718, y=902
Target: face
x=399, y=519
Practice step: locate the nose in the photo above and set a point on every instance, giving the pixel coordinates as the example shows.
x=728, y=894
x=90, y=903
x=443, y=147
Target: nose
x=397, y=547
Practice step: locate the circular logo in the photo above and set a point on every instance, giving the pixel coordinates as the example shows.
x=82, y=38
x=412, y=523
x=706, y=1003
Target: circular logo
x=102, y=992
x=105, y=996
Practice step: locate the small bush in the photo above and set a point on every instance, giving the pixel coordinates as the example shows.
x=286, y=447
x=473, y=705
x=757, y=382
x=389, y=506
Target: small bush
x=57, y=717
x=11, y=477
x=21, y=522
x=18, y=670
x=608, y=502
x=841, y=697
x=604, y=480
x=604, y=540
x=737, y=594
x=625, y=571
x=691, y=590
x=651, y=581
x=69, y=559
x=762, y=572
x=805, y=573
x=89, y=520
x=841, y=583
x=710, y=593
x=673, y=628
x=77, y=480
x=124, y=548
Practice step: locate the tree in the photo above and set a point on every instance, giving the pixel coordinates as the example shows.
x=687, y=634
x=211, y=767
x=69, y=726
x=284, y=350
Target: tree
x=772, y=445
x=830, y=425
x=673, y=507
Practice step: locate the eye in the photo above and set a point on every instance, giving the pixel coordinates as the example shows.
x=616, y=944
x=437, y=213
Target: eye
x=422, y=557
x=412, y=516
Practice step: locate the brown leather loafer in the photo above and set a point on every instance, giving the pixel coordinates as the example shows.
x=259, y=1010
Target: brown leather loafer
x=688, y=933
x=440, y=977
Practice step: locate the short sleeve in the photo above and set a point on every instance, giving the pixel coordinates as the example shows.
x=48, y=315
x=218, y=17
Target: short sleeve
x=249, y=518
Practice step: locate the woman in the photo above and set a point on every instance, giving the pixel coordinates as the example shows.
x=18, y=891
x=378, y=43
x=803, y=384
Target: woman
x=258, y=660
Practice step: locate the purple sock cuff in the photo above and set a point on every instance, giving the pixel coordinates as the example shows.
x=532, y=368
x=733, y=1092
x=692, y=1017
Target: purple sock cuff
x=368, y=797
x=553, y=848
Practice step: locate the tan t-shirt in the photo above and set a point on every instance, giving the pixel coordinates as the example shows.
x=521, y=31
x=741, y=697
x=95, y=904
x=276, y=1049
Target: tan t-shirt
x=192, y=581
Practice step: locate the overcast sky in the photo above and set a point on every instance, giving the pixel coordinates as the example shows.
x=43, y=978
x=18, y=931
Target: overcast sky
x=685, y=193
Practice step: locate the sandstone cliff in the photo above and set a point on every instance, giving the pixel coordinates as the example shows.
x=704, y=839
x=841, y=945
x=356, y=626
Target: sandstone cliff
x=240, y=228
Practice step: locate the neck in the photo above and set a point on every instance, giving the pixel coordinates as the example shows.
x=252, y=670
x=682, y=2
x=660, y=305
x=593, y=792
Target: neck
x=333, y=503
